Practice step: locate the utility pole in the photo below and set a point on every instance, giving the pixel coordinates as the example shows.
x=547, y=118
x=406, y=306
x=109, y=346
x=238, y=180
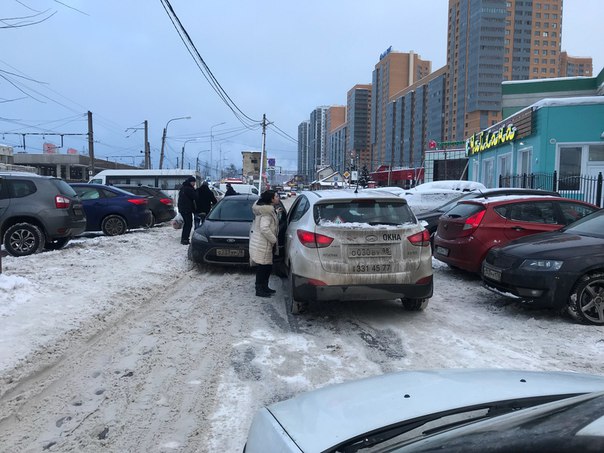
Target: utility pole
x=161, y=153
x=90, y=144
x=262, y=152
x=147, y=148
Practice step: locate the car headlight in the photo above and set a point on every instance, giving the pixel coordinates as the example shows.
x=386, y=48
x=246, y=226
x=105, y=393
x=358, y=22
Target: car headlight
x=200, y=237
x=541, y=265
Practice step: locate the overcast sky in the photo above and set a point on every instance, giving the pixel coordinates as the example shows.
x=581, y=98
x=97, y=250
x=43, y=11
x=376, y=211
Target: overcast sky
x=125, y=62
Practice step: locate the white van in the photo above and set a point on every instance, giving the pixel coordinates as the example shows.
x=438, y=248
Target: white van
x=241, y=188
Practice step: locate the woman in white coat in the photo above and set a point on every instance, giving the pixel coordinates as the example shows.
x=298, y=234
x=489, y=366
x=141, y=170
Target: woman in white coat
x=263, y=240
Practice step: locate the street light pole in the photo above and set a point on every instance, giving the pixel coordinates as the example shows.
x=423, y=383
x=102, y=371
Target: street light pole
x=182, y=155
x=163, y=139
x=197, y=160
x=211, y=143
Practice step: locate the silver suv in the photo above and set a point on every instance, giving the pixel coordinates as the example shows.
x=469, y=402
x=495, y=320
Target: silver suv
x=37, y=212
x=342, y=245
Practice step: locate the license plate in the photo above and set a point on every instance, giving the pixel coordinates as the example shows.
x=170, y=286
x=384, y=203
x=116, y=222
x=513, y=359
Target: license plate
x=236, y=253
x=442, y=251
x=371, y=268
x=490, y=273
x=369, y=252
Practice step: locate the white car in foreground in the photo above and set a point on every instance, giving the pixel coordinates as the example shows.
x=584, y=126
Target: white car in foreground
x=342, y=245
x=441, y=410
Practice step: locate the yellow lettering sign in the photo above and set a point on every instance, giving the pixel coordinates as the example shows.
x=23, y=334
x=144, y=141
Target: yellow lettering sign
x=485, y=140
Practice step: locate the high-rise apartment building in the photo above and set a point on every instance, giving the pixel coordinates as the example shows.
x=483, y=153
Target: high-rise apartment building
x=336, y=137
x=358, y=131
x=394, y=72
x=475, y=55
x=532, y=43
x=575, y=66
x=317, y=141
x=303, y=131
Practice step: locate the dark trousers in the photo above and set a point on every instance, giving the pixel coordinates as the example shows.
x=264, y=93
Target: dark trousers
x=263, y=272
x=186, y=226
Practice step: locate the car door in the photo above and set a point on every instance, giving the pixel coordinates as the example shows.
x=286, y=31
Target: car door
x=4, y=198
x=296, y=213
x=528, y=217
x=95, y=206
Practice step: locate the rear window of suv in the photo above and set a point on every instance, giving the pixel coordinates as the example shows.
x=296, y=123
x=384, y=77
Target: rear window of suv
x=64, y=188
x=372, y=212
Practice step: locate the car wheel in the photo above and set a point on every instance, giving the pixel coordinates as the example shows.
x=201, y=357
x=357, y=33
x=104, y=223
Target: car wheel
x=414, y=304
x=151, y=221
x=586, y=303
x=23, y=239
x=293, y=306
x=113, y=225
x=56, y=244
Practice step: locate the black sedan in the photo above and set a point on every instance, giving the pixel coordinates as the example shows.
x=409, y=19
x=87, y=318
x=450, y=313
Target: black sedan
x=224, y=235
x=562, y=269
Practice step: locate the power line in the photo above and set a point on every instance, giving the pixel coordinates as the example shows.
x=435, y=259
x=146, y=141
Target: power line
x=207, y=73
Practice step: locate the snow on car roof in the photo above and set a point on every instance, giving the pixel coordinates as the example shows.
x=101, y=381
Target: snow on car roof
x=505, y=198
x=349, y=194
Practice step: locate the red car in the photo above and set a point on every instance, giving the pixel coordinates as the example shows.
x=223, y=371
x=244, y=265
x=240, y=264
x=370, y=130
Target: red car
x=468, y=231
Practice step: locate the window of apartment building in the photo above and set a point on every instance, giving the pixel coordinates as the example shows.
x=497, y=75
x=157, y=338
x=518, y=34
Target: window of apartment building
x=507, y=32
x=546, y=16
x=543, y=70
x=538, y=15
x=538, y=24
x=552, y=61
x=544, y=61
x=546, y=25
x=545, y=43
x=552, y=71
x=554, y=16
x=554, y=35
x=545, y=34
x=544, y=52
x=552, y=52
x=535, y=70
x=546, y=6
x=538, y=5
x=537, y=33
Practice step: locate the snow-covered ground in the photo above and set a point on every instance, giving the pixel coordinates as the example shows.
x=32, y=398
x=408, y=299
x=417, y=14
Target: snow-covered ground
x=118, y=342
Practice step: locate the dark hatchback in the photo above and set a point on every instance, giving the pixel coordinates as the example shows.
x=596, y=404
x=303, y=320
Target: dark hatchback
x=224, y=236
x=562, y=269
x=111, y=210
x=160, y=204
x=431, y=217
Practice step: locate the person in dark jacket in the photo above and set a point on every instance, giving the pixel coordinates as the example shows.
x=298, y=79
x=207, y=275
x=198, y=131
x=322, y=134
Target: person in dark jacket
x=205, y=201
x=187, y=205
x=230, y=190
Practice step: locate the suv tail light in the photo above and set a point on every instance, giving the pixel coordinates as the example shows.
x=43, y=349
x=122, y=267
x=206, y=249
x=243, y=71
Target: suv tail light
x=138, y=201
x=421, y=239
x=62, y=202
x=167, y=201
x=473, y=221
x=313, y=240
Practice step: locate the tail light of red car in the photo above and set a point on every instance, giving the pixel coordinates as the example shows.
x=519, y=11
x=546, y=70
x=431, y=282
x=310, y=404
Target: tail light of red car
x=473, y=221
x=313, y=240
x=62, y=202
x=421, y=239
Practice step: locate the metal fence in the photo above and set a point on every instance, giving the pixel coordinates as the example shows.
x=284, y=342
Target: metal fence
x=577, y=187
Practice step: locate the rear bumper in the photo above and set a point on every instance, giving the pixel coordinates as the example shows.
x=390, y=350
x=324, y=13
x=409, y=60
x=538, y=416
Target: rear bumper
x=465, y=253
x=306, y=290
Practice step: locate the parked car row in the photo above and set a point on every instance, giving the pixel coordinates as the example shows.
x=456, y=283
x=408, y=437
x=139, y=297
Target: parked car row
x=334, y=245
x=44, y=212
x=343, y=245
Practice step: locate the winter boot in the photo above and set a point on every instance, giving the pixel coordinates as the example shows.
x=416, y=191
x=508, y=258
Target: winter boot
x=261, y=292
x=268, y=290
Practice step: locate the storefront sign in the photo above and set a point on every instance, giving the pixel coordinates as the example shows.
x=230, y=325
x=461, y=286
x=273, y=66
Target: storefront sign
x=486, y=140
